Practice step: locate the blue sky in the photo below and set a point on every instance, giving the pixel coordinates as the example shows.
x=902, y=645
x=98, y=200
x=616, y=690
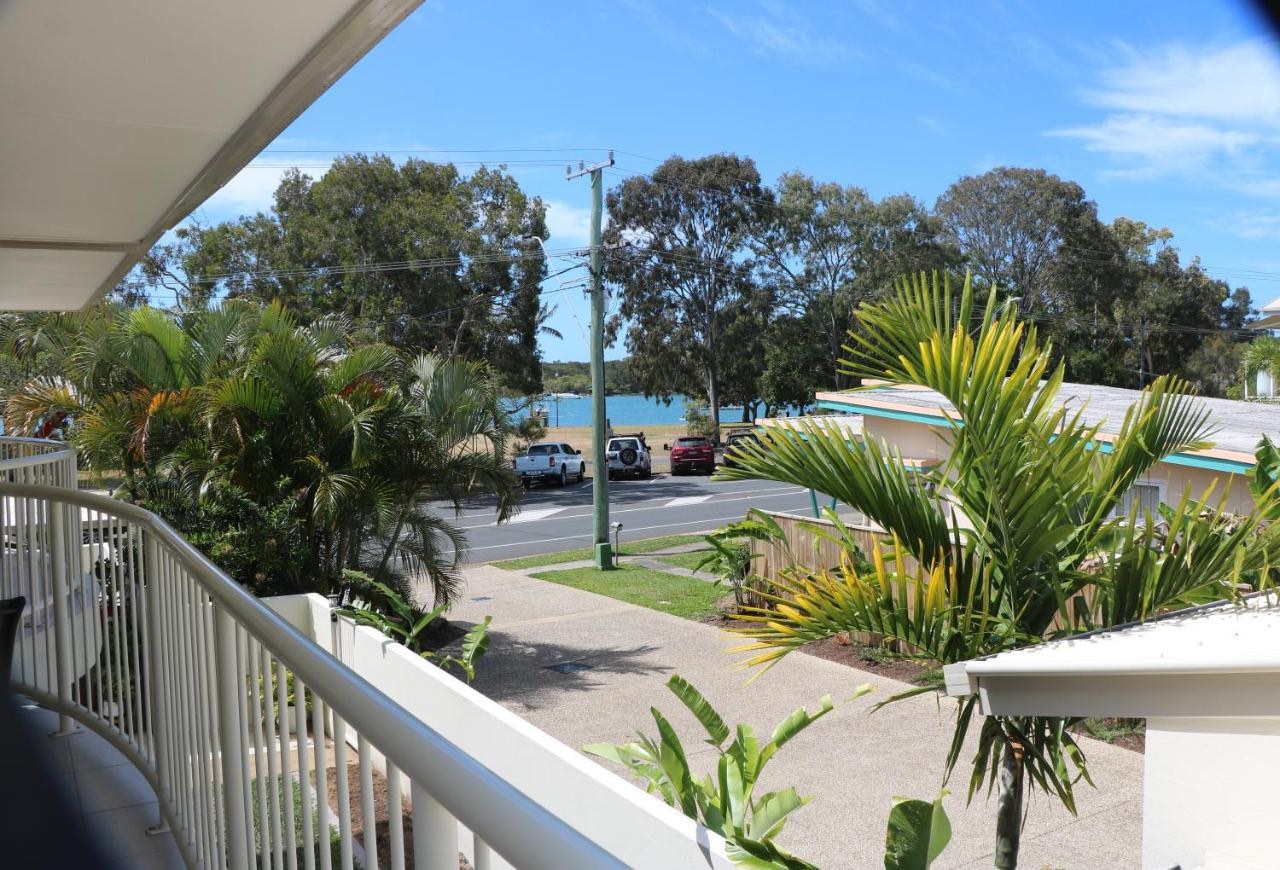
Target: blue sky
x=1167, y=112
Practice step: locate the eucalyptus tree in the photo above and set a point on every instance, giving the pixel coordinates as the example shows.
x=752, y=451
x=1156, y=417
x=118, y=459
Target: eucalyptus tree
x=1015, y=535
x=681, y=264
x=1011, y=224
x=829, y=247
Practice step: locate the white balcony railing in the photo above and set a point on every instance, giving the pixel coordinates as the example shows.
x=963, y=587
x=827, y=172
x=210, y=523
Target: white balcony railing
x=230, y=712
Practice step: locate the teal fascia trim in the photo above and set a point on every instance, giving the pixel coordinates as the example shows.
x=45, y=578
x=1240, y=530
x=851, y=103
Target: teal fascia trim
x=1231, y=466
x=1211, y=463
x=888, y=413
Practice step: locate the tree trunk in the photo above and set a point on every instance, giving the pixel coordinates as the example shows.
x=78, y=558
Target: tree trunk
x=1009, y=793
x=713, y=399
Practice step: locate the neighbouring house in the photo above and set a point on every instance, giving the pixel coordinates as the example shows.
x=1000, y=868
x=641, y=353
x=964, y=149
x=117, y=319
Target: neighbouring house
x=191, y=714
x=915, y=420
x=1261, y=384
x=1207, y=680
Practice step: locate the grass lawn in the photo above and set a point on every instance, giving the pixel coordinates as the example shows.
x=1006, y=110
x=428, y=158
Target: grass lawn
x=628, y=548
x=688, y=560
x=657, y=590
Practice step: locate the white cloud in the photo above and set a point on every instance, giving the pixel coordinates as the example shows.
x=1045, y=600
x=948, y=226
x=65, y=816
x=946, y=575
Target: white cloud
x=933, y=125
x=1237, y=83
x=1159, y=145
x=779, y=30
x=569, y=225
x=250, y=190
x=1254, y=224
x=1211, y=114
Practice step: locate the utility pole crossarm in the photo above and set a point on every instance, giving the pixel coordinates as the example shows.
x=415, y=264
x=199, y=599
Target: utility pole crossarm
x=570, y=173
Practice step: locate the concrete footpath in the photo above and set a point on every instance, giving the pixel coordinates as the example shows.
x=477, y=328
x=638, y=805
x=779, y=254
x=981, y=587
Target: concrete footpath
x=613, y=659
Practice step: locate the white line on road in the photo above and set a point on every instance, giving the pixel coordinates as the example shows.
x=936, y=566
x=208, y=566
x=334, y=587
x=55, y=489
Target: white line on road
x=688, y=499
x=706, y=521
x=770, y=493
x=534, y=515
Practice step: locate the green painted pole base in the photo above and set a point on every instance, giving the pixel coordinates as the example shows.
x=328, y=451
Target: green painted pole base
x=604, y=556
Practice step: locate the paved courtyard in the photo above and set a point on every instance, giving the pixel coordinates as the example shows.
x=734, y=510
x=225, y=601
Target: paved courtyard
x=852, y=762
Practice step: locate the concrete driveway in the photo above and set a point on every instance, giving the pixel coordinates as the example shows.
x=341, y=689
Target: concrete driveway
x=613, y=659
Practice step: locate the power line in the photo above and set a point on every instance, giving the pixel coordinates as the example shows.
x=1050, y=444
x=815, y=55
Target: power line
x=1100, y=257
x=370, y=268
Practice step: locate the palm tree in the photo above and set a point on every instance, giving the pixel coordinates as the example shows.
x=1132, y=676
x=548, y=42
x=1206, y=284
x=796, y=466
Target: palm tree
x=129, y=376
x=291, y=450
x=1015, y=536
x=363, y=443
x=1261, y=355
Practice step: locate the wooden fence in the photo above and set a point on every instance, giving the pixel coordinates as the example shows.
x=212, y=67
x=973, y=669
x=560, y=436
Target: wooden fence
x=811, y=543
x=814, y=544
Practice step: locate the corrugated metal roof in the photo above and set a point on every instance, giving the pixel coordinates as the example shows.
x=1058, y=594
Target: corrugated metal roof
x=1239, y=425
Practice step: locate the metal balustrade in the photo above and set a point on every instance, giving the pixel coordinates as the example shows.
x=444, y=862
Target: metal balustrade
x=234, y=716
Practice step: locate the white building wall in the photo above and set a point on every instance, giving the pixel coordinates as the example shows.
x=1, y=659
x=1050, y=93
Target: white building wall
x=913, y=440
x=1210, y=794
x=922, y=441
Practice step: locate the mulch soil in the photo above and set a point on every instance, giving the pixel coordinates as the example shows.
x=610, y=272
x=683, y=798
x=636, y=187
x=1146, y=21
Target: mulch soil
x=864, y=657
x=381, y=812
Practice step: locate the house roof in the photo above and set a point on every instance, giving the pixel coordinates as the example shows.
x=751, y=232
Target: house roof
x=850, y=426
x=1270, y=316
x=118, y=119
x=1239, y=425
x=1222, y=660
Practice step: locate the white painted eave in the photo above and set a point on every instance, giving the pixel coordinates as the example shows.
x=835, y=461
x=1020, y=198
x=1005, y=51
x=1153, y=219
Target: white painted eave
x=118, y=119
x=1222, y=660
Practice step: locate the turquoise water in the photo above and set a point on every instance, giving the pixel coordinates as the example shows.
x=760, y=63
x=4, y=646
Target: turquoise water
x=628, y=410
x=620, y=409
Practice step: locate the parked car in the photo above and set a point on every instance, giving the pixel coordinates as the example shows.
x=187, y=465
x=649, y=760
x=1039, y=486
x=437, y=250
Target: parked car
x=549, y=461
x=628, y=456
x=736, y=439
x=692, y=453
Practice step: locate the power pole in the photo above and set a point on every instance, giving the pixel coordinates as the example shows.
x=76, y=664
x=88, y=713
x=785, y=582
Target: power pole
x=1142, y=353
x=600, y=469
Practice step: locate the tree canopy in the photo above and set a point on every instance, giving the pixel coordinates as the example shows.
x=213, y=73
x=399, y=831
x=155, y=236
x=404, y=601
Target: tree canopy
x=291, y=453
x=416, y=254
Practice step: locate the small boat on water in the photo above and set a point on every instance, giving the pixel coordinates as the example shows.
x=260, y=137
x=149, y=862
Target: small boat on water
x=566, y=396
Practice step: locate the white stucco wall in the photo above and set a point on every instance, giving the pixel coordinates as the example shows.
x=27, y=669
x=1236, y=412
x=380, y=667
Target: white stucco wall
x=1210, y=794
x=921, y=441
x=1180, y=478
x=913, y=440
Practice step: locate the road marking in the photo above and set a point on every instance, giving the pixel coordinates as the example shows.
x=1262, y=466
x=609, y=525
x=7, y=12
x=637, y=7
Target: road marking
x=533, y=516
x=707, y=522
x=688, y=499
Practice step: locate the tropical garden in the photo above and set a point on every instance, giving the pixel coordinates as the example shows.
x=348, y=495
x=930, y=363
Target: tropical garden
x=1013, y=540
x=300, y=457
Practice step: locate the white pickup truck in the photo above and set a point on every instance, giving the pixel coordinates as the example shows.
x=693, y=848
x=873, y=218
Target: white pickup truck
x=549, y=461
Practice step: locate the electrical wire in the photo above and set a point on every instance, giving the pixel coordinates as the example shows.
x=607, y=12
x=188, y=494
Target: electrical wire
x=372, y=268
x=1099, y=257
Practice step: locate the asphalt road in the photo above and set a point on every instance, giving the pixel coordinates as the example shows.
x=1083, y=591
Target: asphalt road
x=553, y=519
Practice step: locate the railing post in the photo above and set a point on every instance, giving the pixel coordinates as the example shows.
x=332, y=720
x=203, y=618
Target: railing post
x=230, y=690
x=149, y=573
x=435, y=833
x=61, y=617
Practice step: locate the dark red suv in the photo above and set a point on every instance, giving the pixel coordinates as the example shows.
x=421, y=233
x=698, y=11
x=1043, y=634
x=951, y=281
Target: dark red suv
x=692, y=452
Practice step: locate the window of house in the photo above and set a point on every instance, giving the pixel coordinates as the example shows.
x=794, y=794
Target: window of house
x=1143, y=499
